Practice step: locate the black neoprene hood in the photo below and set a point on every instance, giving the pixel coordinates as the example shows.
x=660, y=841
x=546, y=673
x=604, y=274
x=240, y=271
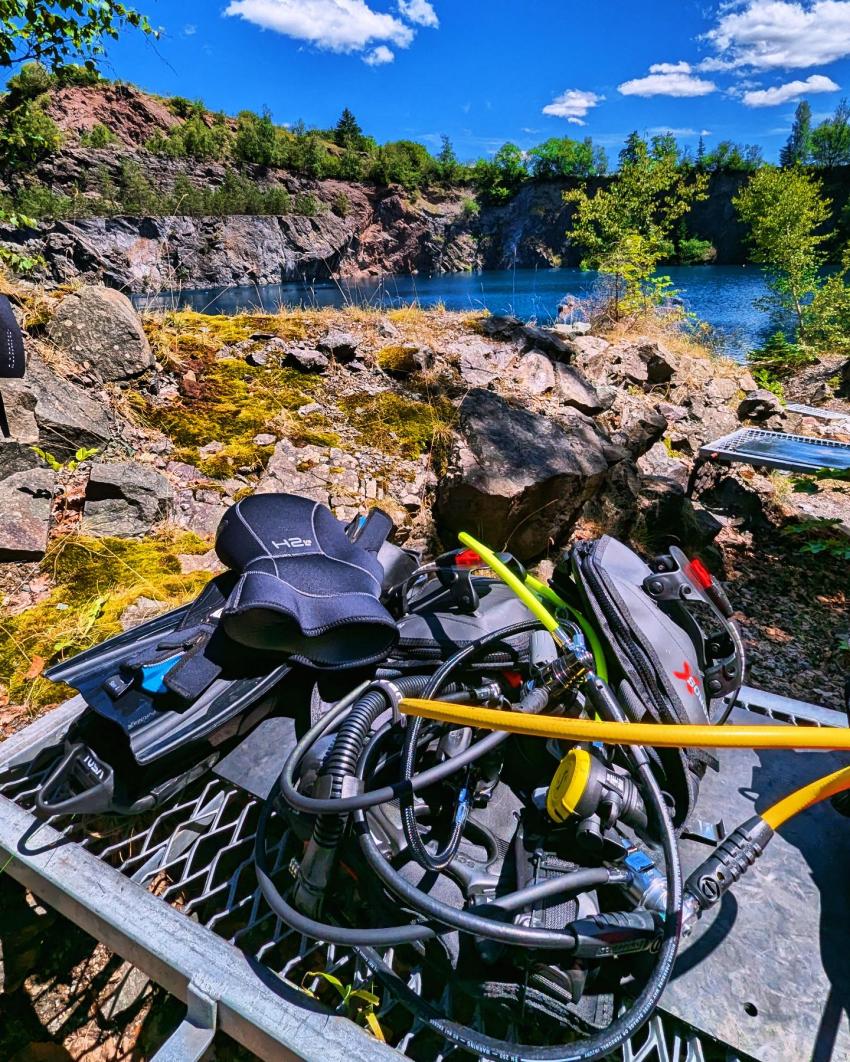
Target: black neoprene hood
x=304, y=589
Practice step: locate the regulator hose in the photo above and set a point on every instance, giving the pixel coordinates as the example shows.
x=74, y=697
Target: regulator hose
x=319, y=858
x=440, y=860
x=596, y=1047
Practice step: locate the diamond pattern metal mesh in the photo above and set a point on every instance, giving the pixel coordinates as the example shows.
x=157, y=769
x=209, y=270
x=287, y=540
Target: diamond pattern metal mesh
x=196, y=854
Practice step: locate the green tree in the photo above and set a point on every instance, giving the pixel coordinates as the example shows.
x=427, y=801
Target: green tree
x=701, y=153
x=449, y=168
x=626, y=228
x=798, y=147
x=828, y=316
x=27, y=132
x=664, y=147
x=731, y=157
x=565, y=157
x=502, y=176
x=256, y=139
x=403, y=162
x=831, y=139
x=633, y=150
x=351, y=165
x=56, y=32
x=785, y=210
x=348, y=133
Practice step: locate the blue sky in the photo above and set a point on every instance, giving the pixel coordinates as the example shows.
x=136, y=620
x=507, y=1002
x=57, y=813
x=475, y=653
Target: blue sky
x=486, y=71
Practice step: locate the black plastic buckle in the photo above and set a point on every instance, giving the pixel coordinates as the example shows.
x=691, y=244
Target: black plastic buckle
x=80, y=784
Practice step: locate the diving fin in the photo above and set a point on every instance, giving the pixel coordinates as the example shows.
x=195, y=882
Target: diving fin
x=163, y=700
x=166, y=698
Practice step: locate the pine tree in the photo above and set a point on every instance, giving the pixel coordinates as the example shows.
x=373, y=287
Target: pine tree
x=348, y=133
x=701, y=152
x=797, y=150
x=635, y=149
x=447, y=162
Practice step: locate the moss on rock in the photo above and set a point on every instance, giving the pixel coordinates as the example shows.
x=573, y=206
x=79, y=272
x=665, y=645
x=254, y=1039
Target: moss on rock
x=229, y=402
x=94, y=581
x=393, y=423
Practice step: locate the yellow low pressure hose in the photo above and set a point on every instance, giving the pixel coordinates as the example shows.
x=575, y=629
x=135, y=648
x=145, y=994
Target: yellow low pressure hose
x=657, y=735
x=806, y=797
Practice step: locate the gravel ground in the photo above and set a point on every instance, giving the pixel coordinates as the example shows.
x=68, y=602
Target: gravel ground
x=793, y=609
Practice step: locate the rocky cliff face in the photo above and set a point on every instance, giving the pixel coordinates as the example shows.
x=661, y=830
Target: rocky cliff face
x=381, y=232
x=378, y=231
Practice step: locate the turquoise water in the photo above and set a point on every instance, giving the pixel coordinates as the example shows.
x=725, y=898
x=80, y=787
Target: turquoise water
x=723, y=296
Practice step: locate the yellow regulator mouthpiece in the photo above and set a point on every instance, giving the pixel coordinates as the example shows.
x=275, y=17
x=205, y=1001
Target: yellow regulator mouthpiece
x=568, y=785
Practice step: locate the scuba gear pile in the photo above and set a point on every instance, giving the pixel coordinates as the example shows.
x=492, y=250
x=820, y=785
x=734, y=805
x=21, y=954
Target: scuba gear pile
x=497, y=790
x=453, y=827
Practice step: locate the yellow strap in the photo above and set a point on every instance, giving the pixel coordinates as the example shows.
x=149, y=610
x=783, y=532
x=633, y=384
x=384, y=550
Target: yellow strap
x=657, y=735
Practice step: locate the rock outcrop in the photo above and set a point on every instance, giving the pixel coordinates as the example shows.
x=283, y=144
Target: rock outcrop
x=517, y=478
x=26, y=500
x=382, y=232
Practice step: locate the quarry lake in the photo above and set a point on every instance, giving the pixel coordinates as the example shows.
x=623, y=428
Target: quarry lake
x=723, y=296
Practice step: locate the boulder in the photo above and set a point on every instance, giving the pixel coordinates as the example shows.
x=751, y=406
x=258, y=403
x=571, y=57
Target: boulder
x=669, y=517
x=26, y=500
x=125, y=499
x=645, y=363
x=68, y=418
x=502, y=326
x=734, y=500
x=759, y=405
x=480, y=363
x=341, y=346
x=614, y=509
x=573, y=330
x=405, y=359
x=517, y=478
x=590, y=352
x=535, y=374
x=98, y=327
x=656, y=462
x=641, y=426
x=306, y=359
x=548, y=341
x=528, y=337
x=575, y=391
x=722, y=389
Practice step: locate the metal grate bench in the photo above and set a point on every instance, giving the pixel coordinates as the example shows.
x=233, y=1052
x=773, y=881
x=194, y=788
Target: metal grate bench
x=175, y=894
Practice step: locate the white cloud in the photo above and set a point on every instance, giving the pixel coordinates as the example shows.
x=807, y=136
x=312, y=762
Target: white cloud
x=421, y=12
x=190, y=30
x=334, y=25
x=788, y=93
x=665, y=130
x=780, y=34
x=573, y=105
x=670, y=68
x=379, y=56
x=668, y=79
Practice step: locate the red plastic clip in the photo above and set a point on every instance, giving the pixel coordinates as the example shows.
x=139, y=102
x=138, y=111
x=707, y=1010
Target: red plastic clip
x=467, y=558
x=702, y=575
